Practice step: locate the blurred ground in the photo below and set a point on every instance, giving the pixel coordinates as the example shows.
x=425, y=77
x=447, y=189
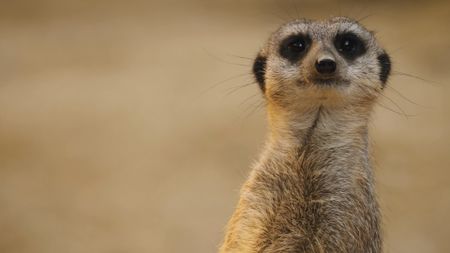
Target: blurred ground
x=122, y=128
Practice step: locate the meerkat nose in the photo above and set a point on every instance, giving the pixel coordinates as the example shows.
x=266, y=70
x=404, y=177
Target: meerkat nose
x=325, y=66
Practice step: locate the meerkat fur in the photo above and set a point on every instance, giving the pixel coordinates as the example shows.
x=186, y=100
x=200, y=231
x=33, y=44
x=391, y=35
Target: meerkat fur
x=312, y=189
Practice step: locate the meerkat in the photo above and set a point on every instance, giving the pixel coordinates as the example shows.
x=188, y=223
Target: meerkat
x=312, y=189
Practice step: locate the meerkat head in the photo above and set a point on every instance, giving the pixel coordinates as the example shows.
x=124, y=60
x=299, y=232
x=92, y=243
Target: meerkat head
x=321, y=62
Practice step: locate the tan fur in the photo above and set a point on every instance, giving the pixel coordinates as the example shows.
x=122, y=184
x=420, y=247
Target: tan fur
x=312, y=188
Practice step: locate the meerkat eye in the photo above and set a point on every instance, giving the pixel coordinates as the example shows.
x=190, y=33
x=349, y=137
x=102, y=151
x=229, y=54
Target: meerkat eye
x=293, y=47
x=349, y=45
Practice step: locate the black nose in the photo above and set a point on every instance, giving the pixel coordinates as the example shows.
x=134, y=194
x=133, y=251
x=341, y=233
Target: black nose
x=326, y=66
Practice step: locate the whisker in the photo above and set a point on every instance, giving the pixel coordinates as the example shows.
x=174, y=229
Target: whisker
x=241, y=57
x=365, y=17
x=396, y=105
x=236, y=88
x=249, y=98
x=258, y=106
x=224, y=61
x=224, y=81
x=391, y=110
x=415, y=77
x=404, y=97
x=361, y=10
x=257, y=102
x=372, y=89
x=398, y=49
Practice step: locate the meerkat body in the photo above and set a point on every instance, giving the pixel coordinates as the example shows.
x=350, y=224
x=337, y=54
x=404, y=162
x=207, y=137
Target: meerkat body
x=312, y=188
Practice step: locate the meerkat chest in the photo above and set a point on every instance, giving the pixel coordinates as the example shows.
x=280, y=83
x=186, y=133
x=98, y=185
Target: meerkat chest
x=302, y=208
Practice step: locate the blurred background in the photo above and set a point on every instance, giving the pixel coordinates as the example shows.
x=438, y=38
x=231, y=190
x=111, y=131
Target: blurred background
x=129, y=126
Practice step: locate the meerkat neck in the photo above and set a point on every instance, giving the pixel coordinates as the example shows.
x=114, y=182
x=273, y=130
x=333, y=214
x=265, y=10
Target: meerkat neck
x=319, y=127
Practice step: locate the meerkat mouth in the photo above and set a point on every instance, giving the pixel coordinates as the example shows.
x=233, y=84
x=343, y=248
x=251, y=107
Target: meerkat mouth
x=329, y=82
x=325, y=81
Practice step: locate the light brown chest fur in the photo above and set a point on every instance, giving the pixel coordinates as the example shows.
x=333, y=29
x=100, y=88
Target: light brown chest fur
x=314, y=194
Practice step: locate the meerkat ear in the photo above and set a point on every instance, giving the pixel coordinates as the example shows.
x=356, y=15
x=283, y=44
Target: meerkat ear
x=385, y=67
x=259, y=71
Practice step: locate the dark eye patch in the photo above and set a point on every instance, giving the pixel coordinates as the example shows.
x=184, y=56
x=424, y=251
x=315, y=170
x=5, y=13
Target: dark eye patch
x=294, y=47
x=349, y=45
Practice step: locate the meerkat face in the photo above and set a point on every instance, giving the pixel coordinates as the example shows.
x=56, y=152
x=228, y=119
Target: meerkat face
x=321, y=61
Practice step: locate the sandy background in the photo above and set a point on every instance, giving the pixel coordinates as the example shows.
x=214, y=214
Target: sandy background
x=124, y=126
